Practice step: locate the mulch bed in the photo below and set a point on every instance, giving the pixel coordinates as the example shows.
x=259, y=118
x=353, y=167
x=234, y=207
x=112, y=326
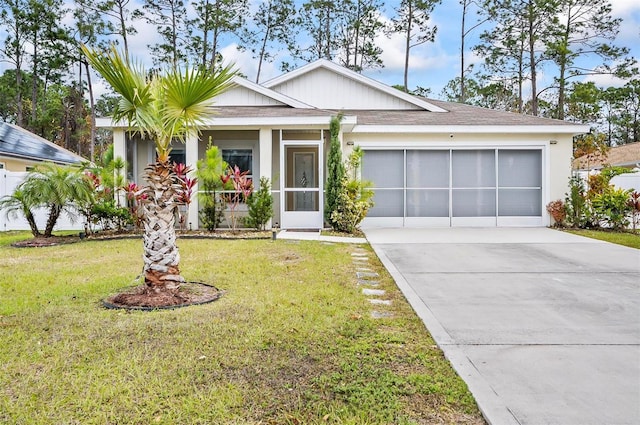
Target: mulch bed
x=43, y=242
x=111, y=235
x=138, y=298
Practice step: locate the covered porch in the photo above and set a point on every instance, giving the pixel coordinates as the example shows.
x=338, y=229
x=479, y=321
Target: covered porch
x=293, y=158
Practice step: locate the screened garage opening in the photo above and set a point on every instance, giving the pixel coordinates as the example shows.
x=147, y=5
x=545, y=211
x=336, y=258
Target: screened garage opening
x=455, y=187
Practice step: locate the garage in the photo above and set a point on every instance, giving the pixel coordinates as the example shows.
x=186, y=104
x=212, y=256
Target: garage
x=455, y=187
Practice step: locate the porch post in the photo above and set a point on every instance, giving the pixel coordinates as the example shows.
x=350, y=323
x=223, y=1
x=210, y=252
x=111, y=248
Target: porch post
x=119, y=151
x=191, y=158
x=266, y=157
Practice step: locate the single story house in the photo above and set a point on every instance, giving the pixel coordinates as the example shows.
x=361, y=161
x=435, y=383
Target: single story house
x=432, y=163
x=21, y=150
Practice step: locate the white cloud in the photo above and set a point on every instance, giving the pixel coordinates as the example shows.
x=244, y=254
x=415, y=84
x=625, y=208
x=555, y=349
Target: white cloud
x=622, y=8
x=605, y=80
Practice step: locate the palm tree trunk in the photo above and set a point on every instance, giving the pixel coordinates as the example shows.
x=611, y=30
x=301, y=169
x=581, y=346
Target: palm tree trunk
x=54, y=213
x=161, y=256
x=32, y=223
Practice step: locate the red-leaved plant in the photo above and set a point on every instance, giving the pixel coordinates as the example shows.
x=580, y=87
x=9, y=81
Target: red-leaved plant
x=185, y=192
x=242, y=186
x=558, y=212
x=135, y=196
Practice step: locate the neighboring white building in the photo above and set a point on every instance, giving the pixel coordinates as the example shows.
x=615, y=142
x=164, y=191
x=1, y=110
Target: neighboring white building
x=21, y=150
x=432, y=163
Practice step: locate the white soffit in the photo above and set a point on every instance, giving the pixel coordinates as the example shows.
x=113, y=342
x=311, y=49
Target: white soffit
x=369, y=82
x=474, y=129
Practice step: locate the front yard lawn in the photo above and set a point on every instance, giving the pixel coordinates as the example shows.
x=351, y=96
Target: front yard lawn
x=292, y=341
x=621, y=238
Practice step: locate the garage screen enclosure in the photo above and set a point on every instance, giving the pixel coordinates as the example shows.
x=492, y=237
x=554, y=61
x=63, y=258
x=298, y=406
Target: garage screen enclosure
x=455, y=187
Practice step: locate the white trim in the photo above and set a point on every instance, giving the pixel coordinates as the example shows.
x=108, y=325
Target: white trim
x=255, y=123
x=243, y=82
x=301, y=219
x=345, y=72
x=475, y=129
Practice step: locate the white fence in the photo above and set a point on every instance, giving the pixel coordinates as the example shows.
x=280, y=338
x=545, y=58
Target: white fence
x=8, y=182
x=627, y=181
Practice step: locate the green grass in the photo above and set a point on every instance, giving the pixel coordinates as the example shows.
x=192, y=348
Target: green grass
x=292, y=341
x=621, y=238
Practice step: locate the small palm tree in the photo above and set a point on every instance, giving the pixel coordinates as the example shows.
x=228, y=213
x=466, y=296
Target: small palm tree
x=163, y=107
x=19, y=203
x=57, y=188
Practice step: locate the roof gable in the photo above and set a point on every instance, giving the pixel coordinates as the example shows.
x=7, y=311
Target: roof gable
x=20, y=143
x=324, y=84
x=246, y=93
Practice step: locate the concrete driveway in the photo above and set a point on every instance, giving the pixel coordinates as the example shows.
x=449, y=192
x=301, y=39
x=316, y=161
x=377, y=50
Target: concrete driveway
x=543, y=326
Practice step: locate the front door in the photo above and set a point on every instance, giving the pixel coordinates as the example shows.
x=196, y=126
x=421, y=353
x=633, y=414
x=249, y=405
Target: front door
x=303, y=185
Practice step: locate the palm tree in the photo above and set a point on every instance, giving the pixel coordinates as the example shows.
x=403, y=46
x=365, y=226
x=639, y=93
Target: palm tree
x=163, y=107
x=19, y=202
x=58, y=188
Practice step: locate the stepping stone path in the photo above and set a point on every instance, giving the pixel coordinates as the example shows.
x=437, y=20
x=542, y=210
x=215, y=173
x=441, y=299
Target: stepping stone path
x=367, y=277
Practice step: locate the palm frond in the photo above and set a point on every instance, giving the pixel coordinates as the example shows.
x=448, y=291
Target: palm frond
x=189, y=93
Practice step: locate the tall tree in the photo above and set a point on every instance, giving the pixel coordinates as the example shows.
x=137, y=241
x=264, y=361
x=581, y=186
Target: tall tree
x=514, y=46
x=497, y=95
x=412, y=21
x=114, y=18
x=50, y=47
x=464, y=32
x=586, y=30
x=626, y=120
x=216, y=19
x=173, y=26
x=14, y=18
x=273, y=26
x=318, y=19
x=168, y=106
x=361, y=24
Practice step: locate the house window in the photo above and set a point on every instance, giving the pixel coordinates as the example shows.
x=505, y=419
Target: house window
x=243, y=158
x=178, y=155
x=1, y=165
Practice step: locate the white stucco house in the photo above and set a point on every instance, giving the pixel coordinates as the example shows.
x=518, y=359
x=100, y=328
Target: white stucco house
x=432, y=163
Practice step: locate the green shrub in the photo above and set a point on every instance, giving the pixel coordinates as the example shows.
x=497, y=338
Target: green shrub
x=260, y=205
x=109, y=216
x=577, y=208
x=212, y=202
x=352, y=204
x=612, y=207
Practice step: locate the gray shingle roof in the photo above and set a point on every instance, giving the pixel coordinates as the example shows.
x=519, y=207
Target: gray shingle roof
x=19, y=143
x=458, y=114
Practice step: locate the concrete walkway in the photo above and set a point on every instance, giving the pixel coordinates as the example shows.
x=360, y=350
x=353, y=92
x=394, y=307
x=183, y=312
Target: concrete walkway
x=317, y=236
x=543, y=326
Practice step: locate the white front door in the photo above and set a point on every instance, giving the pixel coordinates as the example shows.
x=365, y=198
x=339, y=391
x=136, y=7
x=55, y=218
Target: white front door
x=302, y=186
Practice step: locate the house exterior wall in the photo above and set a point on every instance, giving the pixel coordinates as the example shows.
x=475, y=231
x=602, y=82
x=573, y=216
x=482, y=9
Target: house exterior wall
x=325, y=89
x=556, y=158
x=242, y=96
x=17, y=165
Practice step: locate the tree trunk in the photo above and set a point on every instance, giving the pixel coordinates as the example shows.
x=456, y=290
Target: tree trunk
x=532, y=62
x=54, y=213
x=32, y=223
x=161, y=256
x=92, y=104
